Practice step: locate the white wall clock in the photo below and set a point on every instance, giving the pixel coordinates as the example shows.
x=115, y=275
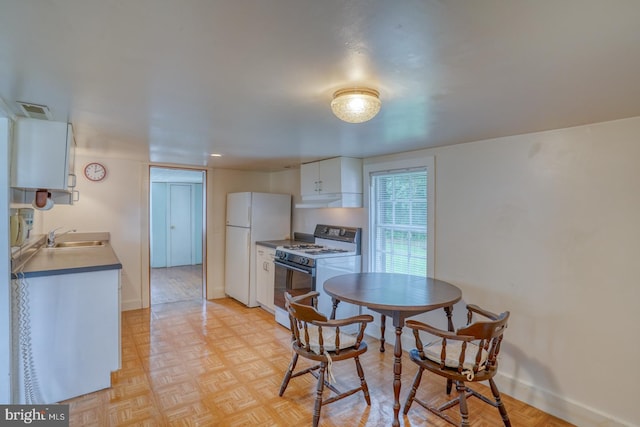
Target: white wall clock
x=95, y=171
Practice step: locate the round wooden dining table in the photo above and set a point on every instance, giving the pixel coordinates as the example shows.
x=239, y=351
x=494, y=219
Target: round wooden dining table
x=398, y=296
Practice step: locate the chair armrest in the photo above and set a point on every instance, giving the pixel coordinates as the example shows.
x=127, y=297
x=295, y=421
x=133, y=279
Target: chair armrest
x=475, y=309
x=308, y=295
x=420, y=326
x=363, y=318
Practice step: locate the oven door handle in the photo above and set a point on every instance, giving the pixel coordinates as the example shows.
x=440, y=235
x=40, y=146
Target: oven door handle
x=290, y=267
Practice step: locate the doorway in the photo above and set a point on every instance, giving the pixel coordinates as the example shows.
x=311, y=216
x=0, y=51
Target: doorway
x=177, y=230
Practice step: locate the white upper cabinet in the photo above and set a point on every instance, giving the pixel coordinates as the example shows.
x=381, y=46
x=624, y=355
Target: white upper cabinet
x=42, y=155
x=335, y=182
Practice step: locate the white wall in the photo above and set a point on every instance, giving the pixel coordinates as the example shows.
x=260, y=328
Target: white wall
x=113, y=205
x=546, y=225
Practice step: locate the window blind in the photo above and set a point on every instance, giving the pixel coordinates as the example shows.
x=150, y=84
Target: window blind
x=400, y=221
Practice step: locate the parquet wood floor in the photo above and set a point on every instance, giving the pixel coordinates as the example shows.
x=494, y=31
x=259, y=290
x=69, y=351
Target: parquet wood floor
x=172, y=284
x=218, y=363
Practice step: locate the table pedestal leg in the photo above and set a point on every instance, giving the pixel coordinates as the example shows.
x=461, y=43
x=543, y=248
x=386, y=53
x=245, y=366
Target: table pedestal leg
x=397, y=371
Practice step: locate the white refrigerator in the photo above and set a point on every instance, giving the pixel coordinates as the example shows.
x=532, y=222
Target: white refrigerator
x=251, y=217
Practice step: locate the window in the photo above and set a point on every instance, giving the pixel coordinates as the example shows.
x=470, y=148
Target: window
x=400, y=209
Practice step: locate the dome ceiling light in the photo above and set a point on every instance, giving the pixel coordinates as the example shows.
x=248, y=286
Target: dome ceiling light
x=356, y=105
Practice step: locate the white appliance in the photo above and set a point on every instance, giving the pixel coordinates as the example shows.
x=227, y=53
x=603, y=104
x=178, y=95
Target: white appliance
x=305, y=267
x=251, y=217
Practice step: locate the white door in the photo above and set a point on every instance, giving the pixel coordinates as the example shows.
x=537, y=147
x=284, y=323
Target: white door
x=180, y=232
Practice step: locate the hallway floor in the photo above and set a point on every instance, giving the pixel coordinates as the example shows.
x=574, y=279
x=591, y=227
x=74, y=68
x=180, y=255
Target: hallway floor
x=172, y=284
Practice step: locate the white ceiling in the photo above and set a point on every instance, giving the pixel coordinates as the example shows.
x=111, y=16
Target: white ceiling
x=173, y=81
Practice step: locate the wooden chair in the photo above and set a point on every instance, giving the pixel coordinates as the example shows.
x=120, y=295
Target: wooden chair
x=468, y=355
x=320, y=340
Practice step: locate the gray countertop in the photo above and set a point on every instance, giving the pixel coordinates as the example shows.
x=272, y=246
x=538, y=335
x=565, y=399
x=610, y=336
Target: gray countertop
x=49, y=262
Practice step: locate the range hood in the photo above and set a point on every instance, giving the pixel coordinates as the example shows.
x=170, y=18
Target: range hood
x=335, y=200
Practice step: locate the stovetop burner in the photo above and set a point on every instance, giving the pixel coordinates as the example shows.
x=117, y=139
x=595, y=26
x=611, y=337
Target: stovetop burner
x=302, y=246
x=325, y=251
x=330, y=241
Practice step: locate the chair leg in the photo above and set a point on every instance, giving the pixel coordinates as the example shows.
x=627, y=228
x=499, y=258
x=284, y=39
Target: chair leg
x=499, y=404
x=412, y=393
x=462, y=397
x=363, y=382
x=318, y=405
x=383, y=326
x=287, y=375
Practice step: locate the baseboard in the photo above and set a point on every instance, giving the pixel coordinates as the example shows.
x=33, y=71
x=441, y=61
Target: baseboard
x=215, y=293
x=134, y=304
x=559, y=406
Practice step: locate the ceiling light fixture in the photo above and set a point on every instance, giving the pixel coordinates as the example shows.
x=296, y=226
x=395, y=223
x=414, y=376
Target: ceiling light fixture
x=356, y=105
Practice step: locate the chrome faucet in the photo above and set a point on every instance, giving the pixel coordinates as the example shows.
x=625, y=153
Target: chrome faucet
x=51, y=238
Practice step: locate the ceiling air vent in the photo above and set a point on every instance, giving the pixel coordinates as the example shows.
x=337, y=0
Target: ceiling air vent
x=35, y=111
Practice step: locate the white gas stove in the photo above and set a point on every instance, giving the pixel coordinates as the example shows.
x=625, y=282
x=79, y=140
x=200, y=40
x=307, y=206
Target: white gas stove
x=304, y=267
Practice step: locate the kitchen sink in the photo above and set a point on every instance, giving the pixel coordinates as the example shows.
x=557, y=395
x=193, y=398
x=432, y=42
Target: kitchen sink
x=80, y=244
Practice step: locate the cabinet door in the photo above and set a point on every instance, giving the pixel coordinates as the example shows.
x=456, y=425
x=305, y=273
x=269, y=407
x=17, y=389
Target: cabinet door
x=270, y=255
x=309, y=178
x=41, y=154
x=265, y=277
x=262, y=278
x=330, y=176
x=81, y=312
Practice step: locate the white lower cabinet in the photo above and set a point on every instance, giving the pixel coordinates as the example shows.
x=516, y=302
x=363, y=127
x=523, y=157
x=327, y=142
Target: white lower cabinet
x=69, y=334
x=265, y=275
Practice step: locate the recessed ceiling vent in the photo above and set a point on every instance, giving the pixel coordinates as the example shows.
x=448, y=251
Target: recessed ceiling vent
x=35, y=111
